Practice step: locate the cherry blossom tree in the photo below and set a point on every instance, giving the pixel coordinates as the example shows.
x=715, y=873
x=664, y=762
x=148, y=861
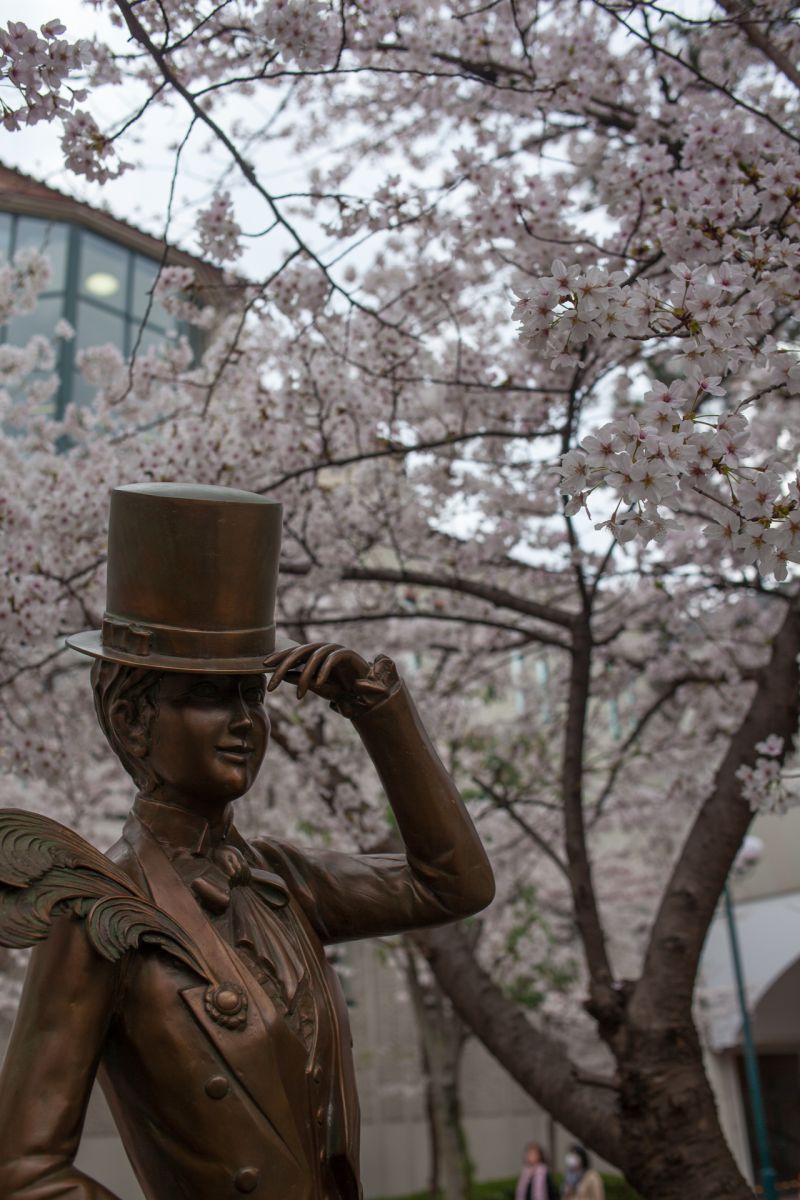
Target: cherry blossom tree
x=522, y=366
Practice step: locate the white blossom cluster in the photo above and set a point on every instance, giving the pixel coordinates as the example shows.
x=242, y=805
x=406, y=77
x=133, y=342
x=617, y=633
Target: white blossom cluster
x=21, y=283
x=763, y=785
x=87, y=150
x=682, y=439
x=300, y=288
x=18, y=361
x=303, y=32
x=218, y=230
x=37, y=65
x=177, y=292
x=673, y=447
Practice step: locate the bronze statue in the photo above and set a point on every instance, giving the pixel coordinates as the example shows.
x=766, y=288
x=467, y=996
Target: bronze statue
x=186, y=968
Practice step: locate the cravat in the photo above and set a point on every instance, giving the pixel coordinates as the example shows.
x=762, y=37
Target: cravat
x=227, y=884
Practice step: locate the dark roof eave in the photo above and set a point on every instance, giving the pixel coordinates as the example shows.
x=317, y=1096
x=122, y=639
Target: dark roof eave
x=26, y=196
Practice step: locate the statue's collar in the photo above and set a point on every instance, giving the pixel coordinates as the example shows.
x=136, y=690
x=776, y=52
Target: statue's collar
x=181, y=829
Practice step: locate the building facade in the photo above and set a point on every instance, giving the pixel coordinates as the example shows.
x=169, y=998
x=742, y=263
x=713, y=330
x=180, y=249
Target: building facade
x=767, y=916
x=103, y=273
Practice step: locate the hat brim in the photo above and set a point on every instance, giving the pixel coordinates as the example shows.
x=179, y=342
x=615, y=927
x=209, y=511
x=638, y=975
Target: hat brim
x=91, y=643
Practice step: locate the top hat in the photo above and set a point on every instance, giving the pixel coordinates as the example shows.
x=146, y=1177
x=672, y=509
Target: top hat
x=192, y=575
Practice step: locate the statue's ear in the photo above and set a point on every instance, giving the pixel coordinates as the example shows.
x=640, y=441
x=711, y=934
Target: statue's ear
x=126, y=721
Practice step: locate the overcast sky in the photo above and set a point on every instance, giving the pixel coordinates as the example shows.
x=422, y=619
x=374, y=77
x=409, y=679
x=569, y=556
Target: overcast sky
x=140, y=195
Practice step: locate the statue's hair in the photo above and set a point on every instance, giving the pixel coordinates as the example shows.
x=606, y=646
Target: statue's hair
x=137, y=686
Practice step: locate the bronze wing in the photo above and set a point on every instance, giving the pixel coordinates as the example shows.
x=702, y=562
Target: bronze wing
x=47, y=870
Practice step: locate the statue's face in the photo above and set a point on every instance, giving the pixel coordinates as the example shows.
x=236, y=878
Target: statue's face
x=208, y=738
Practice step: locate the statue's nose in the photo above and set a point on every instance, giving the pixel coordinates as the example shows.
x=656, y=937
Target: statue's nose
x=240, y=716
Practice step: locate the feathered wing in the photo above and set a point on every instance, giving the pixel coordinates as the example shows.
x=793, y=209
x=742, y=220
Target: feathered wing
x=47, y=870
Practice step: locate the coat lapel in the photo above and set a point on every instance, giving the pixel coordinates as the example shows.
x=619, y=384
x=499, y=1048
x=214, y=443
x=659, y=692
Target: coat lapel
x=264, y=1050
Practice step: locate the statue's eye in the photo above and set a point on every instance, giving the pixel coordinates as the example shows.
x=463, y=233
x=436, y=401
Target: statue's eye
x=254, y=694
x=204, y=691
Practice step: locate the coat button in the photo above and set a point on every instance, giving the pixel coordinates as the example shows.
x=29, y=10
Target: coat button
x=316, y=1074
x=246, y=1180
x=228, y=1001
x=320, y=1115
x=217, y=1086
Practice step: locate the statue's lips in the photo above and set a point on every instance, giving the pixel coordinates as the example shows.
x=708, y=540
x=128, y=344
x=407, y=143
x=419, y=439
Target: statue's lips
x=235, y=753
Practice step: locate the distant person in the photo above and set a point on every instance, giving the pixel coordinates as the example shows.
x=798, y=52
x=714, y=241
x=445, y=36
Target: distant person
x=535, y=1181
x=581, y=1182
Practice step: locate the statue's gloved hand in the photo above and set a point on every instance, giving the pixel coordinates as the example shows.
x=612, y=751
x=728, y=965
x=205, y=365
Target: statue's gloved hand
x=352, y=685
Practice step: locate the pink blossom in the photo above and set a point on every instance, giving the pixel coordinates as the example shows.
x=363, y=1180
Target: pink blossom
x=218, y=231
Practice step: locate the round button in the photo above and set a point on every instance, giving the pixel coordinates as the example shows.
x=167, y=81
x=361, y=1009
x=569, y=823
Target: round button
x=322, y=1156
x=228, y=1001
x=316, y=1074
x=320, y=1115
x=246, y=1180
x=217, y=1087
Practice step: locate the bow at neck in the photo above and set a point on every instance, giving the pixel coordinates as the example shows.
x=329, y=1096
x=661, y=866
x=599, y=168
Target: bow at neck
x=228, y=886
x=216, y=864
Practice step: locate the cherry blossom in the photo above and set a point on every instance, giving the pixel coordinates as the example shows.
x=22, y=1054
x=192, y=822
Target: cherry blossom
x=519, y=356
x=21, y=283
x=218, y=230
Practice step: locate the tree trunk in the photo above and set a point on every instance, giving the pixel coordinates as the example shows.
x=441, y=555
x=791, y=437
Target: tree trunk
x=442, y=1037
x=655, y=1119
x=673, y=1146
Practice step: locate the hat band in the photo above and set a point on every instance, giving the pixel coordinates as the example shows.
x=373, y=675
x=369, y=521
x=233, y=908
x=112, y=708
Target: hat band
x=142, y=640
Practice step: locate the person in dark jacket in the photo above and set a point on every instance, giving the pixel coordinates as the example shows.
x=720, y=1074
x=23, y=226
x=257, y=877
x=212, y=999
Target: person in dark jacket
x=535, y=1181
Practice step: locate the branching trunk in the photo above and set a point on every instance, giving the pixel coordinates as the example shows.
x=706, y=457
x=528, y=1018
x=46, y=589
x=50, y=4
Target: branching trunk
x=442, y=1038
x=656, y=1119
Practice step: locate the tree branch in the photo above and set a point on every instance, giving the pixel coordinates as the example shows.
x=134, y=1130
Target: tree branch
x=398, y=450
x=497, y=596
x=159, y=57
x=654, y=708
x=587, y=914
x=689, y=902
x=739, y=11
x=508, y=806
x=536, y=1060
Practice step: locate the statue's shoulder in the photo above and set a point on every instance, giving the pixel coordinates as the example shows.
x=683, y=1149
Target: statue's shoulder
x=275, y=853
x=292, y=863
x=122, y=855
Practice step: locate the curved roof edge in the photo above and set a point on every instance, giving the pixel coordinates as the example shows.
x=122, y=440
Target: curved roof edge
x=26, y=196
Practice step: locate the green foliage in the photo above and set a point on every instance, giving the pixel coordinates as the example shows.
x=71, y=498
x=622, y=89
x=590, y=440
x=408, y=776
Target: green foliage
x=534, y=980
x=503, y=1189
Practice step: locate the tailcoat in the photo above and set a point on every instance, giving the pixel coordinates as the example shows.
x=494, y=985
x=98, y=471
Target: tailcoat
x=246, y=1089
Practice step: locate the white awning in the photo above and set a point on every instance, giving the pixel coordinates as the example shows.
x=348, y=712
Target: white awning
x=769, y=942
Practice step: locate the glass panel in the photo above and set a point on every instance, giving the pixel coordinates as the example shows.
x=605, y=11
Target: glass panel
x=96, y=327
x=197, y=339
x=150, y=337
x=103, y=271
x=19, y=331
x=82, y=392
x=51, y=239
x=42, y=320
x=5, y=235
x=145, y=274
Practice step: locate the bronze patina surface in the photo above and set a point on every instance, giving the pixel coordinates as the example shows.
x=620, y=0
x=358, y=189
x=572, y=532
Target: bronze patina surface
x=186, y=968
